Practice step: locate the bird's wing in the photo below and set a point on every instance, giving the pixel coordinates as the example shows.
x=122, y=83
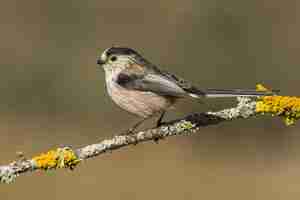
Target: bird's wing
x=186, y=86
x=136, y=78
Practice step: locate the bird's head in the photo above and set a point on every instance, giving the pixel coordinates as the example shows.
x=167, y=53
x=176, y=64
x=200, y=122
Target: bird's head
x=117, y=58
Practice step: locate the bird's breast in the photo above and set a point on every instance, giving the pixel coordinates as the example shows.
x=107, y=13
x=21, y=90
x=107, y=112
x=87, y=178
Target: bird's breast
x=143, y=104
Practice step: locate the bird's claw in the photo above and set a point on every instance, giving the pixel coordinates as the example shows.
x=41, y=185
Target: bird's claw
x=156, y=139
x=127, y=132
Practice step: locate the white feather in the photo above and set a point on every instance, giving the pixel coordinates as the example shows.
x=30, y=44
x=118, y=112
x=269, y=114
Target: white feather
x=194, y=95
x=229, y=95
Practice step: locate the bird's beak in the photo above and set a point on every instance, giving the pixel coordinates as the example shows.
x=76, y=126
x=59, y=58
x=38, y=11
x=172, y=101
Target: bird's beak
x=100, y=61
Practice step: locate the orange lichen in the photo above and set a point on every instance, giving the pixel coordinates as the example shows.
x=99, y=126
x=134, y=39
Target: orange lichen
x=284, y=106
x=59, y=158
x=260, y=87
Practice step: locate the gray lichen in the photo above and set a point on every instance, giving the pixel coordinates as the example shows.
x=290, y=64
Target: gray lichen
x=244, y=109
x=7, y=174
x=189, y=124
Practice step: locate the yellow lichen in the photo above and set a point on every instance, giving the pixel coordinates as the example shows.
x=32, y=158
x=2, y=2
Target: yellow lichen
x=284, y=106
x=59, y=158
x=185, y=125
x=260, y=87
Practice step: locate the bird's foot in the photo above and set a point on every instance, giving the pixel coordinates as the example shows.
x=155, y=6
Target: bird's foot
x=159, y=121
x=157, y=139
x=129, y=131
x=159, y=124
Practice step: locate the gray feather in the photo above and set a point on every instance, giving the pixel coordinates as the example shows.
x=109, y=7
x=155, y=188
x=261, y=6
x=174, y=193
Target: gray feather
x=164, y=83
x=215, y=93
x=151, y=83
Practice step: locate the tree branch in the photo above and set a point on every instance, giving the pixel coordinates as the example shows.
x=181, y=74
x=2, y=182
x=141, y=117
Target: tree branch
x=68, y=158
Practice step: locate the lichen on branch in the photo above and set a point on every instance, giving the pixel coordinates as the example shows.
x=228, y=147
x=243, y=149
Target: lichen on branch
x=284, y=106
x=66, y=157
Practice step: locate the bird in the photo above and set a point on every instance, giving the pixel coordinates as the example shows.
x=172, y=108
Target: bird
x=143, y=89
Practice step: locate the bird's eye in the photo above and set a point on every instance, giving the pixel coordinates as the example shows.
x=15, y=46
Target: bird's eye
x=113, y=58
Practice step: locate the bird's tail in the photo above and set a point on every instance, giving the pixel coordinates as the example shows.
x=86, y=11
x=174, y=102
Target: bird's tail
x=216, y=93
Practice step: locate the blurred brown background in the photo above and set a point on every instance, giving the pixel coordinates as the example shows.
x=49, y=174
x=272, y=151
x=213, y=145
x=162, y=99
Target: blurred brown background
x=52, y=94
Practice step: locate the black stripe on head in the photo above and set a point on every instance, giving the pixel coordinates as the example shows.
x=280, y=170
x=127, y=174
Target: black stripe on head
x=120, y=51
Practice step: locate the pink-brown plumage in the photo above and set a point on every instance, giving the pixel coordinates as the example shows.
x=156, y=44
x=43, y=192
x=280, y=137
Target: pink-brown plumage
x=141, y=88
x=140, y=103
